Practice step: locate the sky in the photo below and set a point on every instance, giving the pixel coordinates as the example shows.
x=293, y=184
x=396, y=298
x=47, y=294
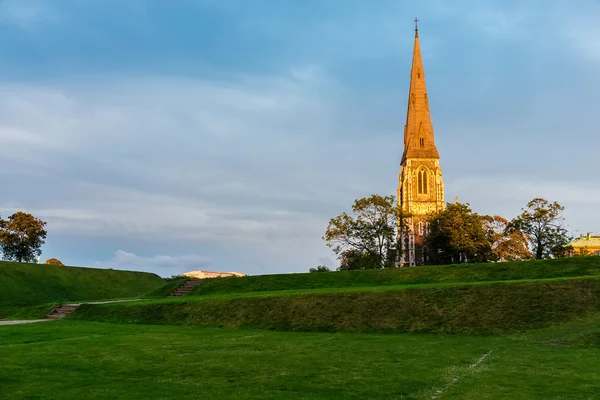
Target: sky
x=224, y=134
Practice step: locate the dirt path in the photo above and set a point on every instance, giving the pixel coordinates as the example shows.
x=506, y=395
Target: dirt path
x=31, y=321
x=26, y=321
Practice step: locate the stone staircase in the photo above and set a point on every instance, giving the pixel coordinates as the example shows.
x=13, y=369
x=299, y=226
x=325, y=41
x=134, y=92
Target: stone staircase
x=61, y=311
x=186, y=287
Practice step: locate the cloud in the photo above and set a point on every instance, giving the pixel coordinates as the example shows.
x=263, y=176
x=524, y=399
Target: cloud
x=328, y=262
x=586, y=37
x=248, y=146
x=177, y=159
x=164, y=264
x=506, y=195
x=27, y=14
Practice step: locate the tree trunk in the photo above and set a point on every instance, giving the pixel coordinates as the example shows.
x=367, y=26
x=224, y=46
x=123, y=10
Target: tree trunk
x=539, y=253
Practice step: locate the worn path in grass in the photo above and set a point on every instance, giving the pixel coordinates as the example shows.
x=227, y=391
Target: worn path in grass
x=30, y=321
x=23, y=321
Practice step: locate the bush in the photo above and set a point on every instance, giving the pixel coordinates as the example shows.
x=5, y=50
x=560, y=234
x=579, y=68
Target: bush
x=174, y=278
x=54, y=261
x=320, y=268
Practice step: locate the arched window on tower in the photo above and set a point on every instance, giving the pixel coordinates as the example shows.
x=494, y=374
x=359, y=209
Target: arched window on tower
x=422, y=181
x=422, y=142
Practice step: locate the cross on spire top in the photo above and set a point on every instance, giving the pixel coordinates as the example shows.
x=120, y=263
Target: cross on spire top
x=416, y=24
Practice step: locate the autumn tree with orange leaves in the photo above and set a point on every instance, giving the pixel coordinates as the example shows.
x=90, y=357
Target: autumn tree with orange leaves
x=508, y=242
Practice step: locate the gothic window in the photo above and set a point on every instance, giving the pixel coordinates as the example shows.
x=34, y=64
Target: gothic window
x=422, y=182
x=422, y=142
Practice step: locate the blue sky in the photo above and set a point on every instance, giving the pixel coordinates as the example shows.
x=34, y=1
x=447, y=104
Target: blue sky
x=223, y=135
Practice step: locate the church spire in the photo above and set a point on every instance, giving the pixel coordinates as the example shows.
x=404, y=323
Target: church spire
x=420, y=184
x=418, y=131
x=416, y=27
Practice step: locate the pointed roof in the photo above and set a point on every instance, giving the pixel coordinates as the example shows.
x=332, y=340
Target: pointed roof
x=418, y=131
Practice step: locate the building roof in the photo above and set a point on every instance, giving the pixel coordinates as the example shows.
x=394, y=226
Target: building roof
x=588, y=240
x=418, y=131
x=202, y=273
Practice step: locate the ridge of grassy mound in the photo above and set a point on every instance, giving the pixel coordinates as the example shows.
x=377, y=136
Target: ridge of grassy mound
x=30, y=284
x=535, y=269
x=477, y=308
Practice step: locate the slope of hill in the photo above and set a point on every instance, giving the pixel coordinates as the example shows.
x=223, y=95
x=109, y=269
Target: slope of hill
x=538, y=269
x=29, y=284
x=481, y=308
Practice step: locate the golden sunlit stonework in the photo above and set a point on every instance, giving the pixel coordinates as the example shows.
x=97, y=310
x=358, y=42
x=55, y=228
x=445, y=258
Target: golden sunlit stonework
x=420, y=188
x=586, y=245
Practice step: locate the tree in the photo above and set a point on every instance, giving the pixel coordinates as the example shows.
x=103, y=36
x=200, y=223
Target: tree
x=54, y=261
x=353, y=259
x=508, y=242
x=21, y=237
x=456, y=235
x=320, y=268
x=542, y=221
x=370, y=235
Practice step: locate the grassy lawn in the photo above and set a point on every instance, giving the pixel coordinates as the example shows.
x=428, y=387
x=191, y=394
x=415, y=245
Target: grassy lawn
x=74, y=360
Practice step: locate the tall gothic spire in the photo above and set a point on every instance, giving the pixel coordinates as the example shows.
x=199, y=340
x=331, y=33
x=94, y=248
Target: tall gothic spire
x=418, y=131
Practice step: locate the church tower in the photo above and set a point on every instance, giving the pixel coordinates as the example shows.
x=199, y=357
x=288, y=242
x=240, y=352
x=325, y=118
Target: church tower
x=420, y=188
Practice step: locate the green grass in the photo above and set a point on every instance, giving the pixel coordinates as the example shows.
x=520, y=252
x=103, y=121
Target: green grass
x=387, y=334
x=38, y=311
x=73, y=360
x=29, y=284
x=166, y=289
x=482, y=308
x=538, y=269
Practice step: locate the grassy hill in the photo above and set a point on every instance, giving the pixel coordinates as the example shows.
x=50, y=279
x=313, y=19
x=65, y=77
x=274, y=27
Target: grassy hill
x=550, y=309
x=538, y=269
x=30, y=284
x=481, y=308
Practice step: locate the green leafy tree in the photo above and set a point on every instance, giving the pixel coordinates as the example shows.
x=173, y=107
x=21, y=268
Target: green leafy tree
x=353, y=259
x=320, y=268
x=508, y=242
x=21, y=237
x=543, y=221
x=370, y=235
x=456, y=235
x=54, y=261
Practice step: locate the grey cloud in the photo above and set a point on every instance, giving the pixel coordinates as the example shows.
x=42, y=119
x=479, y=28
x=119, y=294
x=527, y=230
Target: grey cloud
x=507, y=195
x=163, y=264
x=259, y=165
x=176, y=159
